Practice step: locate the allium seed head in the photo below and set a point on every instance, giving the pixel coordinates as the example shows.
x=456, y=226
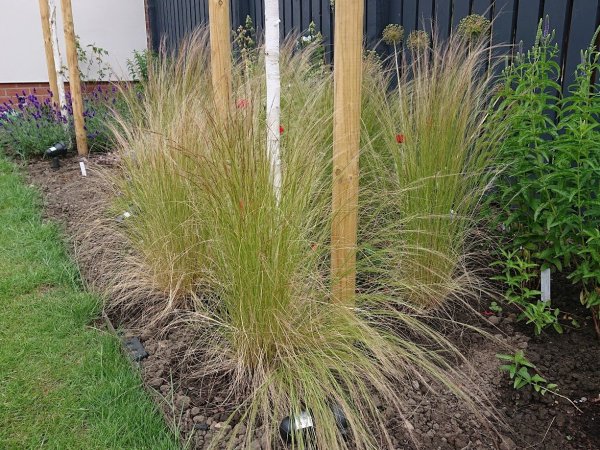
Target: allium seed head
x=393, y=34
x=418, y=40
x=474, y=27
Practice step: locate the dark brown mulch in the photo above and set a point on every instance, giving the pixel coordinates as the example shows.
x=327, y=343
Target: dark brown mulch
x=571, y=360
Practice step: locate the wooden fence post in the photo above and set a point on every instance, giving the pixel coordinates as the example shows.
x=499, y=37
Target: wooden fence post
x=220, y=54
x=74, y=78
x=48, y=47
x=348, y=42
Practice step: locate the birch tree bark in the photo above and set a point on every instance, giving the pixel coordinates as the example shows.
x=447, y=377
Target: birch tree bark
x=273, y=92
x=62, y=101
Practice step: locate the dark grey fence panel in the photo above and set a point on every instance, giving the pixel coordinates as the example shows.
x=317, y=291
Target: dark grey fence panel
x=514, y=20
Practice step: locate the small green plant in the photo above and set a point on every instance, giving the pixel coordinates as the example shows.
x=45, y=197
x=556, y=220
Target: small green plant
x=137, y=66
x=495, y=307
x=244, y=45
x=524, y=373
x=312, y=37
x=518, y=275
x=92, y=61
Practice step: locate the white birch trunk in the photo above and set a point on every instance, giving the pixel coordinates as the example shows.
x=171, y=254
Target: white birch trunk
x=62, y=100
x=273, y=91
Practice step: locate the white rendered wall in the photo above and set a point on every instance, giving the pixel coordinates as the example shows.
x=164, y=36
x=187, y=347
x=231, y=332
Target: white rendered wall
x=118, y=26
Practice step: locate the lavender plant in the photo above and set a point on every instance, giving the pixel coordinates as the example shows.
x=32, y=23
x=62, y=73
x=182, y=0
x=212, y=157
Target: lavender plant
x=30, y=124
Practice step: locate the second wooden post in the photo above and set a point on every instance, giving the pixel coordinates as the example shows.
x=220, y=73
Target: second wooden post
x=346, y=143
x=220, y=53
x=74, y=78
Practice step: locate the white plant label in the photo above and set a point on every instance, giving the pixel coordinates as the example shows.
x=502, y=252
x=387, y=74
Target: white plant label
x=82, y=167
x=304, y=420
x=546, y=283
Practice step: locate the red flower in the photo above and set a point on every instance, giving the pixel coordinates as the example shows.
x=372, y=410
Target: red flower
x=400, y=138
x=487, y=313
x=281, y=129
x=242, y=103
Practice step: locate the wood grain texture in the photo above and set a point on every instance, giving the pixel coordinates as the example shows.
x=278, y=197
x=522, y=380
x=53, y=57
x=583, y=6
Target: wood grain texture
x=50, y=63
x=346, y=142
x=74, y=78
x=220, y=54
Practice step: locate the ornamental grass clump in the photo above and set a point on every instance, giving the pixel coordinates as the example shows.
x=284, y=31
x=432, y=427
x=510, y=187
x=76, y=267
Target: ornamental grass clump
x=433, y=171
x=257, y=293
x=161, y=141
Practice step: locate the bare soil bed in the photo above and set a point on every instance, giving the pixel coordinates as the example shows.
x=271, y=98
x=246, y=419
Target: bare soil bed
x=199, y=407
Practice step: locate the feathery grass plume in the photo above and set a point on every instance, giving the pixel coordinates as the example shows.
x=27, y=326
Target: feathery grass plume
x=257, y=288
x=434, y=170
x=163, y=126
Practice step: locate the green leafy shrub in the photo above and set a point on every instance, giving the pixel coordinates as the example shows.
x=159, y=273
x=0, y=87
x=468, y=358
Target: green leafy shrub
x=547, y=197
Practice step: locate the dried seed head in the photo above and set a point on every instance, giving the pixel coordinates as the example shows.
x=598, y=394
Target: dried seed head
x=474, y=27
x=418, y=40
x=393, y=34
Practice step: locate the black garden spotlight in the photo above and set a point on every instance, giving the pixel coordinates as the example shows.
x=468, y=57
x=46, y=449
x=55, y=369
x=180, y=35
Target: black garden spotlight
x=55, y=152
x=303, y=424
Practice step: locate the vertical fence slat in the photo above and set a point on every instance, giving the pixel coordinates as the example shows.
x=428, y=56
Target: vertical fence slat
x=296, y=16
x=305, y=13
x=410, y=16
x=503, y=31
x=460, y=10
x=424, y=15
x=527, y=22
x=556, y=10
x=583, y=24
x=327, y=24
x=483, y=7
x=443, y=17
x=315, y=14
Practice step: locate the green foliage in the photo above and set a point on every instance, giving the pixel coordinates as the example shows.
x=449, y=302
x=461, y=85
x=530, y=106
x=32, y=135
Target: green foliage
x=245, y=46
x=518, y=274
x=91, y=59
x=523, y=373
x=137, y=66
x=64, y=383
x=313, y=38
x=547, y=197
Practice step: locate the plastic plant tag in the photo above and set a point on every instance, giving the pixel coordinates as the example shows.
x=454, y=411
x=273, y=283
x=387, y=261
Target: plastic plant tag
x=303, y=420
x=546, y=282
x=83, y=170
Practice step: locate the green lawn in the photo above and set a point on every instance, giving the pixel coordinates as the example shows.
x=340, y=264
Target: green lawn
x=63, y=383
